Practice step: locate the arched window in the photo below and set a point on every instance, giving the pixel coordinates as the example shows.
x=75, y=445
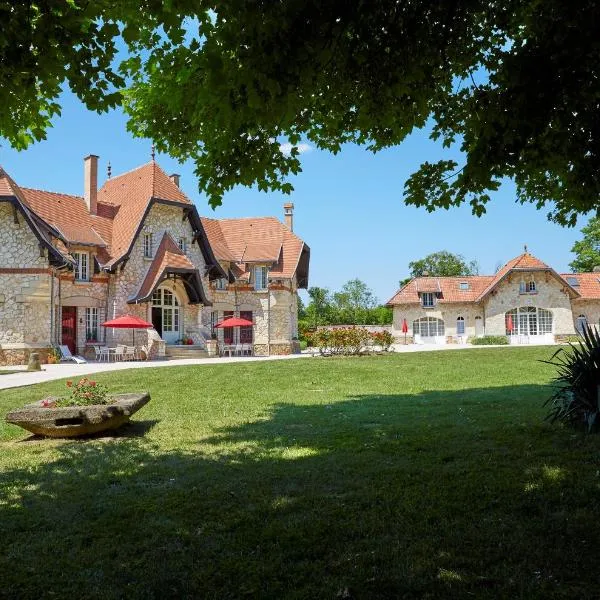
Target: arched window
x=528, y=320
x=582, y=323
x=460, y=326
x=428, y=327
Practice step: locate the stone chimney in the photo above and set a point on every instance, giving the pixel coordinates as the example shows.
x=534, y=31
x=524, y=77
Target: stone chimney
x=174, y=177
x=90, y=182
x=288, y=215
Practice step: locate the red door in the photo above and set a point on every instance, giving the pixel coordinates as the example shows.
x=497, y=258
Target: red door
x=69, y=328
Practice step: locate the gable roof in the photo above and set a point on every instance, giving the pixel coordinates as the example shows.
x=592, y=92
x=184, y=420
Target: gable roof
x=11, y=192
x=479, y=285
x=251, y=240
x=169, y=259
x=128, y=198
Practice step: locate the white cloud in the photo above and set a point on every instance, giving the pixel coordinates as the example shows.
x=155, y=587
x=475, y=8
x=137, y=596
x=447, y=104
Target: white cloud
x=302, y=148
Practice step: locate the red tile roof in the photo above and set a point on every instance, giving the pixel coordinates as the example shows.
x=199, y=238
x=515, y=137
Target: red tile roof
x=587, y=284
x=257, y=240
x=479, y=285
x=70, y=216
x=122, y=204
x=128, y=196
x=449, y=288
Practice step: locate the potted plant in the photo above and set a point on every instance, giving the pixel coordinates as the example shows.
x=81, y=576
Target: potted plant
x=53, y=357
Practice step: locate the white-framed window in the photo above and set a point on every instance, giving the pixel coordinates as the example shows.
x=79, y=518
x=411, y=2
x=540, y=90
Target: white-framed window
x=427, y=299
x=147, y=245
x=528, y=320
x=428, y=327
x=260, y=278
x=460, y=326
x=527, y=287
x=82, y=266
x=91, y=325
x=463, y=285
x=221, y=283
x=182, y=243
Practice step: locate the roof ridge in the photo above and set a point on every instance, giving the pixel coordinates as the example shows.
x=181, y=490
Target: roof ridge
x=126, y=173
x=53, y=193
x=271, y=217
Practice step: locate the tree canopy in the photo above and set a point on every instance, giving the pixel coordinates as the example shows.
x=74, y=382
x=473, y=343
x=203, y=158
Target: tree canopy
x=354, y=304
x=514, y=83
x=587, y=250
x=441, y=264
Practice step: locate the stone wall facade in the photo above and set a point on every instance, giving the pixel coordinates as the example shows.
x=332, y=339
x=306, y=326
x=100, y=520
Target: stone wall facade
x=32, y=295
x=489, y=316
x=25, y=290
x=274, y=313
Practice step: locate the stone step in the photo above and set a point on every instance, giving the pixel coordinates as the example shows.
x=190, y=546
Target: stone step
x=180, y=351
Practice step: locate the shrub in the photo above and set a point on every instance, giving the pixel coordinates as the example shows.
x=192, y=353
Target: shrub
x=577, y=396
x=341, y=340
x=84, y=393
x=383, y=338
x=490, y=340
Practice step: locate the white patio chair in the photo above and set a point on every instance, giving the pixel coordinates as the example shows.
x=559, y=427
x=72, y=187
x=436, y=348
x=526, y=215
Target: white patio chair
x=130, y=353
x=120, y=352
x=66, y=356
x=247, y=349
x=237, y=351
x=102, y=353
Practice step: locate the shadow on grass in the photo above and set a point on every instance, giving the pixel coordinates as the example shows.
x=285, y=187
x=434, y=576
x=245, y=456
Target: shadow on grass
x=438, y=495
x=132, y=429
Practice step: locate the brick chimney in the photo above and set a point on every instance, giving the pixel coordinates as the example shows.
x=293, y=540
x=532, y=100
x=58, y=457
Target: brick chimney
x=174, y=177
x=288, y=215
x=90, y=182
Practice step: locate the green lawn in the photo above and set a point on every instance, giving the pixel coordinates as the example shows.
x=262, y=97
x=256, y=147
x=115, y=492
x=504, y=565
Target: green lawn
x=427, y=475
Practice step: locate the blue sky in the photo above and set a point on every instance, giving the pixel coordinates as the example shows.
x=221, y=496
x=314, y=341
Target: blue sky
x=349, y=208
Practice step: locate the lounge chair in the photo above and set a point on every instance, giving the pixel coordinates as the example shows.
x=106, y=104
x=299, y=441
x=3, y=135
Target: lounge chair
x=66, y=356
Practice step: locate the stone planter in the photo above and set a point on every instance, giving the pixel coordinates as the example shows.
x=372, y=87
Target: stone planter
x=72, y=421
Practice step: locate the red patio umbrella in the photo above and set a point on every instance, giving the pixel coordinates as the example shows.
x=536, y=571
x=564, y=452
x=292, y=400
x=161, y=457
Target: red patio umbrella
x=233, y=322
x=509, y=324
x=128, y=322
x=404, y=329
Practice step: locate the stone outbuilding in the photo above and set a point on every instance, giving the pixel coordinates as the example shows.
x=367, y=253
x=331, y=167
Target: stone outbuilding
x=526, y=300
x=137, y=245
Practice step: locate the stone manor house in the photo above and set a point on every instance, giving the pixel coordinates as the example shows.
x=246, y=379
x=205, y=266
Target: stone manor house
x=137, y=245
x=526, y=300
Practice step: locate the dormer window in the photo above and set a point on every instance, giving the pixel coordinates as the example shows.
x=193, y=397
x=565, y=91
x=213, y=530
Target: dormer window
x=463, y=285
x=147, y=245
x=260, y=278
x=427, y=299
x=221, y=283
x=82, y=266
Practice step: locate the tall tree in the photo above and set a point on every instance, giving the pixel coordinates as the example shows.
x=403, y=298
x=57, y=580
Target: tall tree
x=515, y=83
x=354, y=301
x=443, y=264
x=587, y=250
x=318, y=311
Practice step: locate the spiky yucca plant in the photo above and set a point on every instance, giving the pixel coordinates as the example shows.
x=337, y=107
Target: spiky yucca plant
x=577, y=396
